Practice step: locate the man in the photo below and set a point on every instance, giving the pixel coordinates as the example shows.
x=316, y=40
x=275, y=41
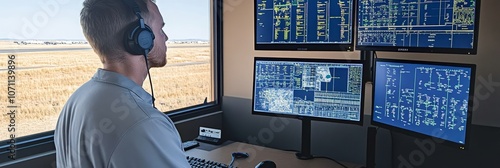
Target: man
x=109, y=121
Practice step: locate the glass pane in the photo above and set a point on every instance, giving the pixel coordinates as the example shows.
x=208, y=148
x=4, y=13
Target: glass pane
x=53, y=60
x=186, y=80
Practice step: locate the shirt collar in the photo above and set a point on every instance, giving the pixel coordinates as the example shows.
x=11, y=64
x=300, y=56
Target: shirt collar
x=120, y=80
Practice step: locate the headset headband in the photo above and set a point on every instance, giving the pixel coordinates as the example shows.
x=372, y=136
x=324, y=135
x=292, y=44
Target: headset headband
x=135, y=7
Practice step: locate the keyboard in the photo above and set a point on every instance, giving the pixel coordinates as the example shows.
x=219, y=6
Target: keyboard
x=210, y=140
x=203, y=163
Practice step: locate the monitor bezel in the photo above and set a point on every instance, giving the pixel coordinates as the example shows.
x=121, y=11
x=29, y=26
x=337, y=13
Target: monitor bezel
x=466, y=51
x=360, y=122
x=307, y=46
x=424, y=136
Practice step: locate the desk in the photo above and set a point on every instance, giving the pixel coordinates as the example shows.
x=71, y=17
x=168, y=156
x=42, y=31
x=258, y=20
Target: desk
x=283, y=159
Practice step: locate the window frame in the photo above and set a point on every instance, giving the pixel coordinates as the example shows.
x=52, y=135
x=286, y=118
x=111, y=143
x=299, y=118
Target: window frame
x=33, y=144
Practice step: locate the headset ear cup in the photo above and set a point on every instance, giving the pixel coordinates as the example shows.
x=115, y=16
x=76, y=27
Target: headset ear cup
x=129, y=41
x=145, y=38
x=137, y=39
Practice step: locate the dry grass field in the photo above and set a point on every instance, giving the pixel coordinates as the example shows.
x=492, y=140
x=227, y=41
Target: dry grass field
x=45, y=80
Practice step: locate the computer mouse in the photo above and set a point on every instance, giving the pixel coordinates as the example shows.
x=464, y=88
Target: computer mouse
x=237, y=155
x=266, y=164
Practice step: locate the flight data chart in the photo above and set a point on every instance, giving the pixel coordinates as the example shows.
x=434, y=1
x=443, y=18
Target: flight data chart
x=304, y=21
x=427, y=99
x=417, y=23
x=315, y=89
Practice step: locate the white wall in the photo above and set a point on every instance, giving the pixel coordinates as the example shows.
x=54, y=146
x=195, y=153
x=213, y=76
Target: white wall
x=239, y=53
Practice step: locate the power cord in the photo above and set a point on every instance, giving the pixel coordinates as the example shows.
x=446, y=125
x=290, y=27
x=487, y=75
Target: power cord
x=324, y=157
x=319, y=157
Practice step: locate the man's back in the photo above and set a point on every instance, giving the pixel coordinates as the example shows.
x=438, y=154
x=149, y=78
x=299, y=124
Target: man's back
x=109, y=122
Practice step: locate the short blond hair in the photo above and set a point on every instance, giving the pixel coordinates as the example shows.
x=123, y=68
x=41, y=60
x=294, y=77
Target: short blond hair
x=104, y=22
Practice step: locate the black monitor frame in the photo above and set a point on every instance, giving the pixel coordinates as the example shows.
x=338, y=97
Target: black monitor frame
x=307, y=46
x=305, y=152
x=423, y=136
x=467, y=51
x=360, y=122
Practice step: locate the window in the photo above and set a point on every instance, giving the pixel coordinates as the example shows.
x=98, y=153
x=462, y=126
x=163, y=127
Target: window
x=53, y=59
x=186, y=80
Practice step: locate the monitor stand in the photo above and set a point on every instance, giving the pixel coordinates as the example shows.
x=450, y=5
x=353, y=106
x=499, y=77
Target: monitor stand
x=368, y=57
x=371, y=137
x=305, y=152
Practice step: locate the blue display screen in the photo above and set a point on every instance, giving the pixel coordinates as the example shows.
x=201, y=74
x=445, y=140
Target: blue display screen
x=428, y=99
x=304, y=21
x=316, y=89
x=417, y=23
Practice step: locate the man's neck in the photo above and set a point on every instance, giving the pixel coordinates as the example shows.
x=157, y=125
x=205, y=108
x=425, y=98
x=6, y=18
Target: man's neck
x=132, y=67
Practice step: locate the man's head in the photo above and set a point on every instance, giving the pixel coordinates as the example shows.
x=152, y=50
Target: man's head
x=104, y=23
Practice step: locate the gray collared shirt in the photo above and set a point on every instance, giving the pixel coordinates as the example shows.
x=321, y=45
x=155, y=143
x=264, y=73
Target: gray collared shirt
x=110, y=122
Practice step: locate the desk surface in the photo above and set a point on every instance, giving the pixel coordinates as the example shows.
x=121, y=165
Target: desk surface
x=283, y=159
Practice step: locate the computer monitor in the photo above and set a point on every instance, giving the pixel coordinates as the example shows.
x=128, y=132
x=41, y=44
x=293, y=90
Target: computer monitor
x=418, y=26
x=424, y=99
x=312, y=25
x=309, y=89
x=319, y=89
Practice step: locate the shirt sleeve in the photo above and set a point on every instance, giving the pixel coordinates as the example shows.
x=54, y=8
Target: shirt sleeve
x=153, y=142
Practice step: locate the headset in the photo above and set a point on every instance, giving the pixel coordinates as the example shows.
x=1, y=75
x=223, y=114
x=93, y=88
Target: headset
x=139, y=39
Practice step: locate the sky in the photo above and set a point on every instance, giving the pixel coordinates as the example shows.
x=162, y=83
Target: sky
x=60, y=19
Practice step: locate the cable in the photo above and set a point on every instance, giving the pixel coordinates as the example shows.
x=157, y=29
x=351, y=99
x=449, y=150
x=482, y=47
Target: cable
x=291, y=150
x=232, y=161
x=237, y=155
x=324, y=157
x=149, y=76
x=319, y=157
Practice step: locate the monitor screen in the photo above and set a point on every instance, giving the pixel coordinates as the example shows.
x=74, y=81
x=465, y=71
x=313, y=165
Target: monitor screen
x=319, y=89
x=418, y=26
x=314, y=25
x=424, y=98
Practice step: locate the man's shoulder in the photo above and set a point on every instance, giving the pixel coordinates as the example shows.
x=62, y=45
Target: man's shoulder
x=96, y=102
